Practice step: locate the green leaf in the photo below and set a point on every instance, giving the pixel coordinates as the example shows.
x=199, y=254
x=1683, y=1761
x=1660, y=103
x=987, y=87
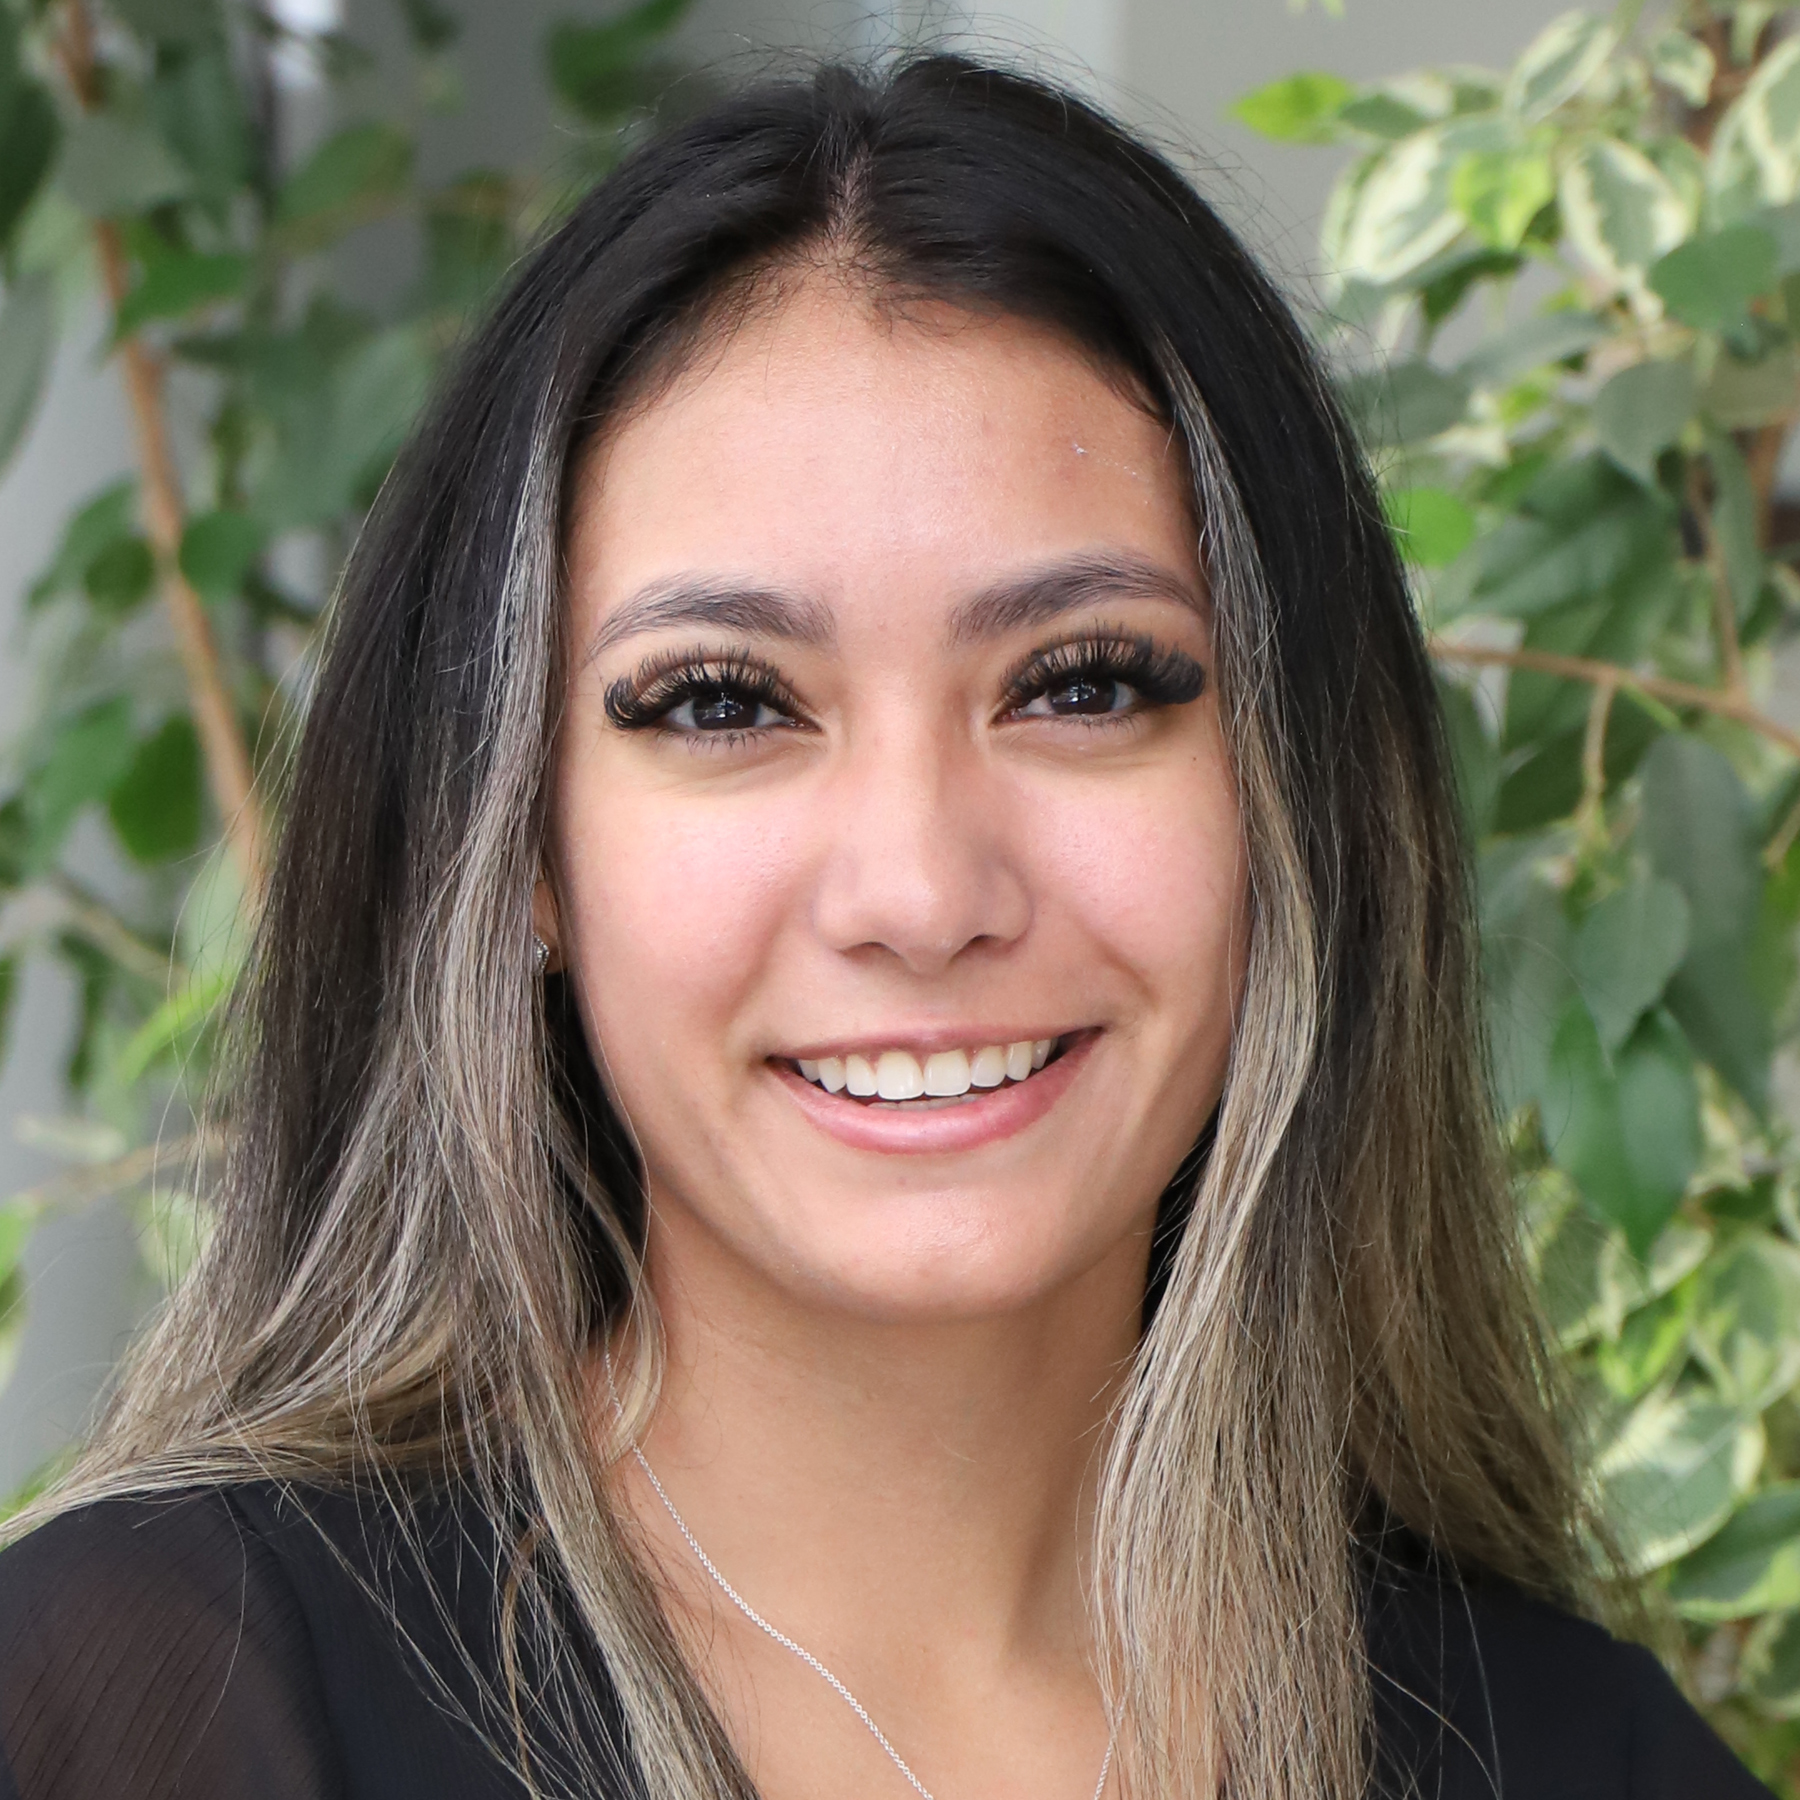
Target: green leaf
x=112, y=166
x=1763, y=124
x=120, y=576
x=177, y=284
x=1526, y=953
x=1379, y=114
x=468, y=241
x=100, y=523
x=380, y=388
x=218, y=549
x=1594, y=1121
x=1559, y=63
x=1499, y=193
x=1642, y=410
x=1673, y=1473
x=29, y=134
x=1744, y=1323
x=1532, y=564
x=179, y=1019
x=27, y=341
x=174, y=22
x=1699, y=828
x=1625, y=951
x=198, y=106
x=1441, y=295
x=1659, y=1115
x=350, y=179
x=1433, y=526
x=1580, y=1265
x=12, y=1320
x=1299, y=110
x=1734, y=521
x=1680, y=61
x=1752, y=1566
x=9, y=992
x=1477, y=768
x=1769, y=1669
x=1647, y=1346
x=595, y=68
x=1402, y=215
x=1620, y=211
x=430, y=26
x=1741, y=394
x=1709, y=281
x=156, y=806
x=1716, y=1002
x=1531, y=344
x=1545, y=779
x=86, y=758
x=1405, y=403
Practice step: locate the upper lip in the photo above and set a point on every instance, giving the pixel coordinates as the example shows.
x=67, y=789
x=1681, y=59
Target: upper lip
x=927, y=1043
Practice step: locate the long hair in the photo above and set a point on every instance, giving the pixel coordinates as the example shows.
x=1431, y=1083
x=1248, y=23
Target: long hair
x=429, y=1218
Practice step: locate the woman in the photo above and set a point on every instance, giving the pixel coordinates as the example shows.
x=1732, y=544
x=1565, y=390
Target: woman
x=862, y=1157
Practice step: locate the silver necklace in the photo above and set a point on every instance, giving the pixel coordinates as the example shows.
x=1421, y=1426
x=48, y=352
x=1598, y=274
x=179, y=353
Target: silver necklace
x=800, y=1650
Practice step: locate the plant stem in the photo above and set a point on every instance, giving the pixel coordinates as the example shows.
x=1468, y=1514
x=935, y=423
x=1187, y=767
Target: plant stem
x=1731, y=653
x=1593, y=758
x=88, y=918
x=228, y=766
x=79, y=1186
x=1738, y=707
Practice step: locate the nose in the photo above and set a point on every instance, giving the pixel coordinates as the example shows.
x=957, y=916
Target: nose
x=920, y=868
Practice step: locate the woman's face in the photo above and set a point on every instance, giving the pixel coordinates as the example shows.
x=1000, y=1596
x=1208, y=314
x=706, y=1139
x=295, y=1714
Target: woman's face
x=891, y=758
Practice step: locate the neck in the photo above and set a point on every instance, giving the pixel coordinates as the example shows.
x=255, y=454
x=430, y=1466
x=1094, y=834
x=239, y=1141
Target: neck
x=872, y=1485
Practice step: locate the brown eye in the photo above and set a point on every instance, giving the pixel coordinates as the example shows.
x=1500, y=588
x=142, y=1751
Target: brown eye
x=721, y=709
x=1081, y=696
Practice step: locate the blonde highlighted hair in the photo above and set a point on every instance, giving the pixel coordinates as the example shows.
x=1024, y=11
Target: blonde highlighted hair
x=429, y=1217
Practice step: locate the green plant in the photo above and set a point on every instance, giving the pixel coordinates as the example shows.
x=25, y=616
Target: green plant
x=169, y=639
x=1566, y=301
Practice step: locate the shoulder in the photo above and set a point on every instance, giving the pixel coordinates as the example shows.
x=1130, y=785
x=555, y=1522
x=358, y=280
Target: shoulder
x=150, y=1644
x=1480, y=1690
x=292, y=1643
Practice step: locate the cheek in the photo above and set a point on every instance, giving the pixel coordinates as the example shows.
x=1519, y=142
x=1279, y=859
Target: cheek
x=1153, y=872
x=675, y=907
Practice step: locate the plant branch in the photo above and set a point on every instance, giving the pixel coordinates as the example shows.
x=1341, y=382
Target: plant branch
x=1731, y=653
x=88, y=918
x=1763, y=463
x=228, y=766
x=79, y=1186
x=1738, y=707
x=1593, y=757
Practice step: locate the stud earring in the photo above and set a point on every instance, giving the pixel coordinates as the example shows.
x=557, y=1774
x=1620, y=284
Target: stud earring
x=540, y=955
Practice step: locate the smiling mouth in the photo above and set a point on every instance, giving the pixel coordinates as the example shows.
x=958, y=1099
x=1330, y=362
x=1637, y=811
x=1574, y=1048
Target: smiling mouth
x=900, y=1081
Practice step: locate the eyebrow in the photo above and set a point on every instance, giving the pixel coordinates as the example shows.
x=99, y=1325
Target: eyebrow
x=1046, y=594
x=700, y=600
x=1011, y=605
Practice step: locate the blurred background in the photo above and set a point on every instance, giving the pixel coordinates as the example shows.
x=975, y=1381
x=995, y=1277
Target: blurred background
x=1553, y=261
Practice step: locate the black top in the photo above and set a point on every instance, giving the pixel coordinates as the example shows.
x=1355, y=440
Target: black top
x=233, y=1643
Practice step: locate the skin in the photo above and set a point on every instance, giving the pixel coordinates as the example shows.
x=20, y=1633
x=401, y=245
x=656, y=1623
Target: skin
x=890, y=1361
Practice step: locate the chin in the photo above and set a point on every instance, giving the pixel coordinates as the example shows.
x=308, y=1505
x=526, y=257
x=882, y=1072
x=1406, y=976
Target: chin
x=934, y=1260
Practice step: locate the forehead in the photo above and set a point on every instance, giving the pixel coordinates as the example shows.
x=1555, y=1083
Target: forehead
x=841, y=447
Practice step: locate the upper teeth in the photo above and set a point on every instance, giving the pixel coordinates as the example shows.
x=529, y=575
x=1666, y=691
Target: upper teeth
x=899, y=1075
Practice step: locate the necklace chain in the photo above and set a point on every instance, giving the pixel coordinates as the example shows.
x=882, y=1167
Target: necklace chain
x=800, y=1650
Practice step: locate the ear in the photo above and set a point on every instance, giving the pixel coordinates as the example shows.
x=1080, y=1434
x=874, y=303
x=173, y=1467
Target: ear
x=546, y=920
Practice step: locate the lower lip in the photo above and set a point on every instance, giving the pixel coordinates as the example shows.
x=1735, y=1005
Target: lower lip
x=903, y=1130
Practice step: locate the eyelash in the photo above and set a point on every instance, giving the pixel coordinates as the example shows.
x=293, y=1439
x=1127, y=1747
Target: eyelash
x=1159, y=677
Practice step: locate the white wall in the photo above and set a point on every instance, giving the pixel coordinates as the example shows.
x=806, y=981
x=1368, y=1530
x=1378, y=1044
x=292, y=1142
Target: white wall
x=1170, y=65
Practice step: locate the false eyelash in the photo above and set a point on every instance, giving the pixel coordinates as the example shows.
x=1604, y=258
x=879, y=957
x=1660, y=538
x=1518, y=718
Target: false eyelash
x=640, y=700
x=1164, y=677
